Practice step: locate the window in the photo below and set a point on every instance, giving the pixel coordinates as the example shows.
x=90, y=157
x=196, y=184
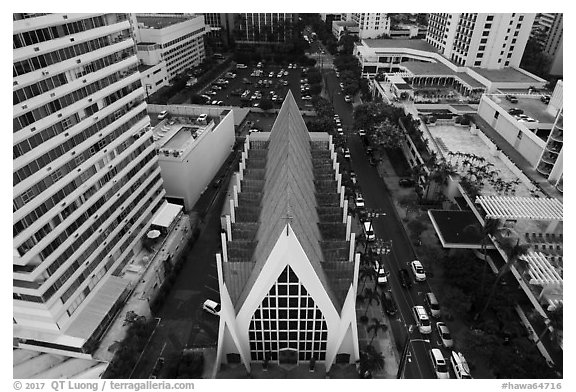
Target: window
x=479, y=55
x=477, y=63
x=520, y=18
x=496, y=114
x=519, y=136
x=507, y=63
x=485, y=33
x=483, y=40
x=490, y=18
x=482, y=47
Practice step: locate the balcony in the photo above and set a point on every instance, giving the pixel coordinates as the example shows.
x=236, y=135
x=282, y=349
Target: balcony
x=557, y=135
x=544, y=168
x=560, y=186
x=554, y=146
x=549, y=158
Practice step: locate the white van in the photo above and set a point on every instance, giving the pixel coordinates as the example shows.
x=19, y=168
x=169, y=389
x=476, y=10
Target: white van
x=163, y=114
x=202, y=118
x=422, y=320
x=211, y=307
x=459, y=365
x=241, y=66
x=439, y=363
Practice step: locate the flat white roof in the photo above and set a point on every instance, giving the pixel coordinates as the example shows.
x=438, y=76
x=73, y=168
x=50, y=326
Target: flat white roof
x=166, y=214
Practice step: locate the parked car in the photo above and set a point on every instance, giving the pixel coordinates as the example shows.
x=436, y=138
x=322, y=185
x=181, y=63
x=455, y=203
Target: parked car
x=545, y=98
x=347, y=153
x=372, y=161
x=359, y=200
x=361, y=132
x=405, y=280
x=353, y=177
x=241, y=66
x=422, y=320
x=512, y=98
x=382, y=277
x=459, y=365
x=347, y=98
x=368, y=230
x=439, y=363
x=212, y=307
x=406, y=182
x=157, y=367
x=388, y=303
x=418, y=271
x=444, y=334
x=163, y=114
x=433, y=305
x=515, y=111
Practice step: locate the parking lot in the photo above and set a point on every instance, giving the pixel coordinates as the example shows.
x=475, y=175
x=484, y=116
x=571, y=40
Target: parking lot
x=245, y=79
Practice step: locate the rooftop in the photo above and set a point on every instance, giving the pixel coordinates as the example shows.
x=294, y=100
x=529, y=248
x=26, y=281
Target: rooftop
x=420, y=68
x=288, y=179
x=452, y=228
x=160, y=22
x=531, y=105
x=416, y=44
x=506, y=74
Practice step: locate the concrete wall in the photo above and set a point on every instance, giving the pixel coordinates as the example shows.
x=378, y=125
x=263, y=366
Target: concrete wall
x=188, y=177
x=154, y=78
x=528, y=145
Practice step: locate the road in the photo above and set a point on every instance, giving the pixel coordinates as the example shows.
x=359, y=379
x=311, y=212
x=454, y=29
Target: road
x=388, y=227
x=183, y=323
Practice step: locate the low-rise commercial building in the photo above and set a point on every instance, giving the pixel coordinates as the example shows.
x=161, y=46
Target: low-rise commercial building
x=192, y=144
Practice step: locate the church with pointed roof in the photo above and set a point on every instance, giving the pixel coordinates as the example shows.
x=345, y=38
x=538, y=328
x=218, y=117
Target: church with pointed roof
x=287, y=272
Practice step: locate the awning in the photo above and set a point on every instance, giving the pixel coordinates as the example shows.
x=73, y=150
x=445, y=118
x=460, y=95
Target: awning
x=166, y=215
x=513, y=207
x=99, y=306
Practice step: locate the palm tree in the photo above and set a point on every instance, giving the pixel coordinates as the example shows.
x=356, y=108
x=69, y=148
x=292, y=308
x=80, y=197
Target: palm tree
x=369, y=295
x=370, y=360
x=492, y=228
x=554, y=324
x=367, y=272
x=375, y=327
x=514, y=254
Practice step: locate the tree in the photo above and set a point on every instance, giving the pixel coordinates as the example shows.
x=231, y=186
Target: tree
x=514, y=252
x=266, y=104
x=367, y=272
x=370, y=361
x=387, y=135
x=554, y=325
x=369, y=295
x=492, y=229
x=376, y=326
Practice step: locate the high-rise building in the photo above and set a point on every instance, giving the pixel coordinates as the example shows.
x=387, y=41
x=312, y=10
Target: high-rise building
x=548, y=31
x=288, y=271
x=260, y=28
x=86, y=178
x=371, y=25
x=490, y=41
x=220, y=26
x=180, y=38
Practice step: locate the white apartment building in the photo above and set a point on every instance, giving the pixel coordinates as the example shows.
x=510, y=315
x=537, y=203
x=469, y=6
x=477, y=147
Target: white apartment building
x=370, y=25
x=540, y=140
x=86, y=178
x=490, y=41
x=180, y=38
